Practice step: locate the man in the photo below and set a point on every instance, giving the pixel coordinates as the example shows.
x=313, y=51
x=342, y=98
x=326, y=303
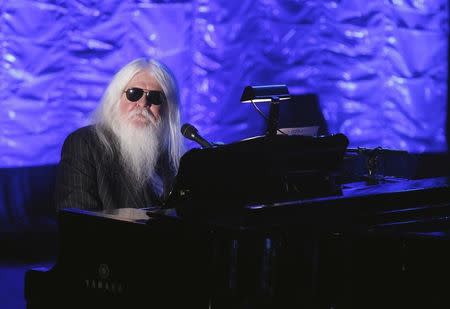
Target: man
x=129, y=157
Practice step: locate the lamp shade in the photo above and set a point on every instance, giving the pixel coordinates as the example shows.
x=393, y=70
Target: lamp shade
x=265, y=93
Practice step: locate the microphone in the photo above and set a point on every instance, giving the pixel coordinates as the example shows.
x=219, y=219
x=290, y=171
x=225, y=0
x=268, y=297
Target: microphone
x=190, y=132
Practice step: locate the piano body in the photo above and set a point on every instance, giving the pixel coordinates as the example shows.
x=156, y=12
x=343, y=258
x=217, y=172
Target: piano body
x=381, y=245
x=119, y=259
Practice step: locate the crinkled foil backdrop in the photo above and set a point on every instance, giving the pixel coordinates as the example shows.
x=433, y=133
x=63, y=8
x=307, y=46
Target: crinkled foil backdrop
x=379, y=67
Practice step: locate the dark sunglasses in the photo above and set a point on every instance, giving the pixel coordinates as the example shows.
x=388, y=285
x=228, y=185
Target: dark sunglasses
x=151, y=97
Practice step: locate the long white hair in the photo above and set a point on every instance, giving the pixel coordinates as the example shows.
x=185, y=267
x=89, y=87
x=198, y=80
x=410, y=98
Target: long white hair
x=107, y=113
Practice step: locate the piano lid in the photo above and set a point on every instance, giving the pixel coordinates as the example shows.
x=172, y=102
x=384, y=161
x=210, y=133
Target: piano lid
x=264, y=168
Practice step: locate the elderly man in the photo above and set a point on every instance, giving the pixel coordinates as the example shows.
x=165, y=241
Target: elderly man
x=129, y=156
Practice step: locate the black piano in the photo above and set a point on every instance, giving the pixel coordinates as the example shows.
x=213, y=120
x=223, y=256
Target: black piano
x=378, y=244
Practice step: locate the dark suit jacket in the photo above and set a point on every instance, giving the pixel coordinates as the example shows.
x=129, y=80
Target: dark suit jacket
x=89, y=179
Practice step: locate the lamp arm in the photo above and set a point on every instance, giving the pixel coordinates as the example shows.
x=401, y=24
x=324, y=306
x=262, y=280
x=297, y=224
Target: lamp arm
x=274, y=113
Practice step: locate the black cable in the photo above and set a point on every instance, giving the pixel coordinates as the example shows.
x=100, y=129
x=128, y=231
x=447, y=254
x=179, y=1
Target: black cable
x=265, y=117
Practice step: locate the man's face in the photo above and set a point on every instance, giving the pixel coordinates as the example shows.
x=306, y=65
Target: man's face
x=132, y=111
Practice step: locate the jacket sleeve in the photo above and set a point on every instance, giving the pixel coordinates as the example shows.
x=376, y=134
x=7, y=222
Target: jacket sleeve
x=76, y=181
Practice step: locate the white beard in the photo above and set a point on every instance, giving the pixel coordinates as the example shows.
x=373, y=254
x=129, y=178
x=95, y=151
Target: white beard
x=140, y=149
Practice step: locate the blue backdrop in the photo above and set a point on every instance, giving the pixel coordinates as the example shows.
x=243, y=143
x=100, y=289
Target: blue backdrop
x=379, y=67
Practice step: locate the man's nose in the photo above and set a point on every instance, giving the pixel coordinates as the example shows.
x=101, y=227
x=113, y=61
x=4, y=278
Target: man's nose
x=142, y=102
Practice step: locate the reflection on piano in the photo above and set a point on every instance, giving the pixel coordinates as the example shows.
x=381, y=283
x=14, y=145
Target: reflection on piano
x=365, y=246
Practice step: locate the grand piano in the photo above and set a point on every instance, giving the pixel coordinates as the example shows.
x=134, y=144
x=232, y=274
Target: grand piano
x=287, y=232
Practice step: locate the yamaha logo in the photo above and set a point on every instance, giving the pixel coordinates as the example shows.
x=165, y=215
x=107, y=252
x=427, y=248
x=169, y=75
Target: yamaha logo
x=103, y=271
x=103, y=282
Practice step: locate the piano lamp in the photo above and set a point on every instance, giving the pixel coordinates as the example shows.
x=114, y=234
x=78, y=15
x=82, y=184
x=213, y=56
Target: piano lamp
x=272, y=94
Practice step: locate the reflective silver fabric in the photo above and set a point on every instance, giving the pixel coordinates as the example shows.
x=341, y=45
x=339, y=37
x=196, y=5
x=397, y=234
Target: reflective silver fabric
x=379, y=67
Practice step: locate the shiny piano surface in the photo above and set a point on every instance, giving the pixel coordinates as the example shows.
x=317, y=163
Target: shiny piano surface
x=374, y=246
x=122, y=259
